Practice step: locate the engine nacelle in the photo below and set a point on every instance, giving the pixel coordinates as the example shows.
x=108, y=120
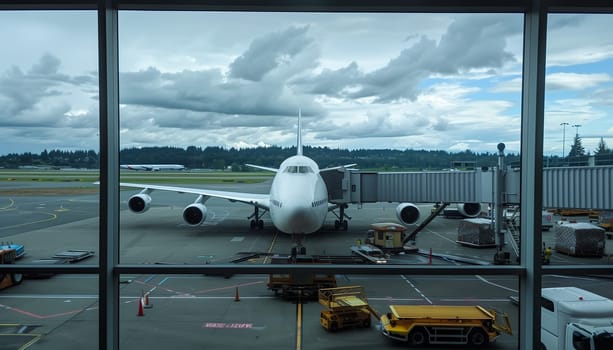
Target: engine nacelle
x=139, y=203
x=469, y=210
x=194, y=214
x=407, y=213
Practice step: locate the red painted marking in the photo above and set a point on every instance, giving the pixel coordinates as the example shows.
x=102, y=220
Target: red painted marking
x=37, y=316
x=227, y=325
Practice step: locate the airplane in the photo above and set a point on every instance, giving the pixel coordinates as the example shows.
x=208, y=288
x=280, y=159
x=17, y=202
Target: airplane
x=297, y=201
x=152, y=167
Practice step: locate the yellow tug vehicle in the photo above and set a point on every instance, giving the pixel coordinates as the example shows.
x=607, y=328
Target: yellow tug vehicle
x=419, y=325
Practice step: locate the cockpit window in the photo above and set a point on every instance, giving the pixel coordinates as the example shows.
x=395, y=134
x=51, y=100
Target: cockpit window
x=298, y=169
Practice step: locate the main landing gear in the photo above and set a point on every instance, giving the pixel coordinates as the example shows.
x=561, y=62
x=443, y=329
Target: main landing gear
x=341, y=224
x=256, y=222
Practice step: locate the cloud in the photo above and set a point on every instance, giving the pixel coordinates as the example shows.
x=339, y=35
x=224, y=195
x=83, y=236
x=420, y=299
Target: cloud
x=558, y=81
x=362, y=80
x=511, y=85
x=37, y=97
x=269, y=52
x=470, y=43
x=575, y=81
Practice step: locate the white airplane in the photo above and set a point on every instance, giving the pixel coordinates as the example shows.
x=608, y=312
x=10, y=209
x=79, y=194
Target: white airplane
x=297, y=201
x=152, y=167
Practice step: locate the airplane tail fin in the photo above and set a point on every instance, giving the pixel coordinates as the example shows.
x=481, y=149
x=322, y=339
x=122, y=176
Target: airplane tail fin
x=299, y=139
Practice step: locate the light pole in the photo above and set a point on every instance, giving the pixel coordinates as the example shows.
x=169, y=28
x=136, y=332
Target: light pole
x=577, y=126
x=563, y=138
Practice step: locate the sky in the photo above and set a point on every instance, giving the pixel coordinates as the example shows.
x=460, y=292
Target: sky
x=362, y=80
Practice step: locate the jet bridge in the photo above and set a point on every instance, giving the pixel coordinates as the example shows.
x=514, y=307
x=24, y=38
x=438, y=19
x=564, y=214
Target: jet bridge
x=567, y=187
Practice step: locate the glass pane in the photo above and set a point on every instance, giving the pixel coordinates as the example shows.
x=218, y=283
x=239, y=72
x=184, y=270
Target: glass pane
x=48, y=133
x=50, y=312
x=191, y=311
x=577, y=140
x=433, y=92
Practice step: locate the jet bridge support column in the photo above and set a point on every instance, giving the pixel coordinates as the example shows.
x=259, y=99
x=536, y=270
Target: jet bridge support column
x=498, y=193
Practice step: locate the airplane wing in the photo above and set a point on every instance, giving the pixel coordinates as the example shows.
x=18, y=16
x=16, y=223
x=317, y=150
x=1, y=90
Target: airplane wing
x=274, y=170
x=338, y=167
x=259, y=200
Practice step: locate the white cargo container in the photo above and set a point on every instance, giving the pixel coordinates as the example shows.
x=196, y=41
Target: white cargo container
x=579, y=239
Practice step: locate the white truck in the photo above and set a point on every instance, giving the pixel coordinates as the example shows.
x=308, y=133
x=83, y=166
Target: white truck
x=573, y=318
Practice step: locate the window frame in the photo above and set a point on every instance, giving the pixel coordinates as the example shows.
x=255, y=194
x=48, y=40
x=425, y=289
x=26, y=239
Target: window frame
x=529, y=271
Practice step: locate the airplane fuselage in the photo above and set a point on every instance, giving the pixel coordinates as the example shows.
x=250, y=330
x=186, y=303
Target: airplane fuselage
x=298, y=197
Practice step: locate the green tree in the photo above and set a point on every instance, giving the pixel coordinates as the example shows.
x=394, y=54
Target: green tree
x=577, y=148
x=602, y=148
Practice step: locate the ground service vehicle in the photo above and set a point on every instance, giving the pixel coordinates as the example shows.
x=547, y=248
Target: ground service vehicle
x=8, y=256
x=346, y=307
x=573, y=318
x=298, y=284
x=420, y=325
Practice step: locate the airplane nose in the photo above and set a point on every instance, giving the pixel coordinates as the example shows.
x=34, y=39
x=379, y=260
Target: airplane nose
x=299, y=218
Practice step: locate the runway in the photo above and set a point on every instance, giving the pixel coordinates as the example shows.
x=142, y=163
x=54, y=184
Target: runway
x=213, y=312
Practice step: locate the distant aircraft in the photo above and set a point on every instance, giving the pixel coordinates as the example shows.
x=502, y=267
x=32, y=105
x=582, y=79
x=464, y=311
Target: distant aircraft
x=297, y=201
x=152, y=167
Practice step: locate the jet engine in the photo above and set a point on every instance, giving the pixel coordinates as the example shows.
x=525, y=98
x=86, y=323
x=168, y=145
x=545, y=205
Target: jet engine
x=194, y=214
x=139, y=203
x=407, y=213
x=469, y=210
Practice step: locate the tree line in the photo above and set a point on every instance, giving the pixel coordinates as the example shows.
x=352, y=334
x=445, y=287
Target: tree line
x=220, y=158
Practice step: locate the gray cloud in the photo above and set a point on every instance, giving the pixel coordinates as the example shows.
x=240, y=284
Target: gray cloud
x=269, y=52
x=209, y=91
x=32, y=98
x=376, y=125
x=472, y=42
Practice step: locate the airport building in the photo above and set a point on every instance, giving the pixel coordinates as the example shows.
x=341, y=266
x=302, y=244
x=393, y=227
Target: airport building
x=225, y=304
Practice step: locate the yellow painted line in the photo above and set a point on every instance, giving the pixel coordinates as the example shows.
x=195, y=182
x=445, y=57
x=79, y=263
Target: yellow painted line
x=272, y=245
x=31, y=342
x=299, y=325
x=35, y=337
x=51, y=218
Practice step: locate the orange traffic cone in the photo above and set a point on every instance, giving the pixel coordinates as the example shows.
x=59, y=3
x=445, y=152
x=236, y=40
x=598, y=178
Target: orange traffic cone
x=236, y=298
x=147, y=305
x=141, y=312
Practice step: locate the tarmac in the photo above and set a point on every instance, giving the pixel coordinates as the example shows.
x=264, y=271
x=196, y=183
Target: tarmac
x=223, y=312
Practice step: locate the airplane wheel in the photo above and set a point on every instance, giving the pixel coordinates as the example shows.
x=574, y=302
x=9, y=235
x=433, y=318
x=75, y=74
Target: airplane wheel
x=261, y=224
x=345, y=225
x=252, y=224
x=303, y=250
x=337, y=224
x=294, y=251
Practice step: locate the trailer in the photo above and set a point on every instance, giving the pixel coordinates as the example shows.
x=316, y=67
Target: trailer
x=346, y=307
x=419, y=325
